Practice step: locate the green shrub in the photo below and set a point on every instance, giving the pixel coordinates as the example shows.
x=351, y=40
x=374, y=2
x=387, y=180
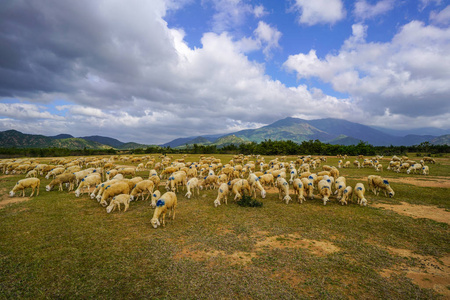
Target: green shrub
x=248, y=201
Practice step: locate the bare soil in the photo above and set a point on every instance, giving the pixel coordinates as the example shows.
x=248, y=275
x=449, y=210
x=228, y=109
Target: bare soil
x=418, y=211
x=319, y=248
x=429, y=273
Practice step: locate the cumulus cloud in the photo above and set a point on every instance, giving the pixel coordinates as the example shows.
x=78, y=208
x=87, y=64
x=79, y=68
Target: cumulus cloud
x=319, y=11
x=364, y=10
x=408, y=76
x=442, y=17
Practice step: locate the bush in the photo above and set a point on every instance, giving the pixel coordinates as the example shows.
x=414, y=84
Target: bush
x=248, y=201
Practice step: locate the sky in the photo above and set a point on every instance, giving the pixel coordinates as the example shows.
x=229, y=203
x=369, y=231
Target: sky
x=150, y=71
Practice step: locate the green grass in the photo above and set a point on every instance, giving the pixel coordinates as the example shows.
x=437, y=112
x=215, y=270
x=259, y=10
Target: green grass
x=60, y=246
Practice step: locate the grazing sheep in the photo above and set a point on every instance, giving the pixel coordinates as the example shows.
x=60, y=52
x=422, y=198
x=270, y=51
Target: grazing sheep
x=266, y=179
x=117, y=200
x=346, y=195
x=308, y=185
x=87, y=182
x=166, y=202
x=379, y=168
x=114, y=190
x=127, y=171
x=383, y=184
x=429, y=159
x=140, y=188
x=193, y=184
x=111, y=173
x=359, y=193
x=155, y=196
x=177, y=178
x=239, y=186
x=371, y=184
x=210, y=181
x=222, y=194
x=357, y=164
x=283, y=190
x=54, y=172
x=347, y=164
x=21, y=185
x=69, y=178
x=339, y=186
x=414, y=168
x=97, y=193
x=253, y=180
x=324, y=188
x=32, y=173
x=299, y=189
x=425, y=170
x=293, y=173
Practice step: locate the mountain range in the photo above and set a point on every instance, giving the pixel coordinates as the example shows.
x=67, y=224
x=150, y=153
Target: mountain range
x=333, y=131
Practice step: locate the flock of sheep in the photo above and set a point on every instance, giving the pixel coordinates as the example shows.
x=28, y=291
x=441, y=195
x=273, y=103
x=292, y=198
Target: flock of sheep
x=242, y=174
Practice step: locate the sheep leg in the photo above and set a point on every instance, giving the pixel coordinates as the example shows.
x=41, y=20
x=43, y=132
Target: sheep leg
x=32, y=191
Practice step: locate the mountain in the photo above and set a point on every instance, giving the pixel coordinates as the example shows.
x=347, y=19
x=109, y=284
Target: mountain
x=329, y=130
x=61, y=136
x=441, y=140
x=104, y=140
x=228, y=140
x=14, y=138
x=417, y=131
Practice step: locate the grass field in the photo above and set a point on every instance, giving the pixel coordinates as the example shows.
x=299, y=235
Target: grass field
x=59, y=246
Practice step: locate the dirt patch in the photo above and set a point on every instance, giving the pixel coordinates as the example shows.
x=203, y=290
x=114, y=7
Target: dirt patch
x=418, y=211
x=434, y=181
x=319, y=248
x=6, y=200
x=430, y=272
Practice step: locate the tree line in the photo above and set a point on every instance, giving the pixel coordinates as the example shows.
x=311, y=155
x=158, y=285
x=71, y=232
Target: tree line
x=267, y=147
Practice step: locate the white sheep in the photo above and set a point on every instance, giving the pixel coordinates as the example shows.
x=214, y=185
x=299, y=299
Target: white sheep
x=116, y=201
x=98, y=191
x=140, y=188
x=21, y=185
x=414, y=168
x=111, y=173
x=425, y=170
x=299, y=189
x=113, y=190
x=60, y=179
x=308, y=185
x=357, y=164
x=359, y=193
x=379, y=168
x=239, y=186
x=32, y=173
x=253, y=180
x=293, y=173
x=193, y=184
x=283, y=189
x=222, y=194
x=383, y=184
x=346, y=195
x=87, y=182
x=166, y=202
x=155, y=196
x=339, y=186
x=324, y=189
x=54, y=172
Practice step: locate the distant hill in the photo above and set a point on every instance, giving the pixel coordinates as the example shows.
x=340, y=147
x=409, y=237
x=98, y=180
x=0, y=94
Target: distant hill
x=14, y=138
x=416, y=131
x=329, y=130
x=104, y=140
x=441, y=140
x=61, y=136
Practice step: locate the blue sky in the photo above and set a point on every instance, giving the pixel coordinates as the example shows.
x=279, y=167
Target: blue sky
x=150, y=71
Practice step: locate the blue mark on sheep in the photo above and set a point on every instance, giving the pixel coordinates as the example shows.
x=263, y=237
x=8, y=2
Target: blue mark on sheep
x=423, y=168
x=160, y=203
x=204, y=178
x=292, y=172
x=311, y=177
x=345, y=191
x=220, y=190
x=285, y=183
x=82, y=179
x=154, y=195
x=300, y=185
x=359, y=188
x=310, y=184
x=385, y=181
x=340, y=187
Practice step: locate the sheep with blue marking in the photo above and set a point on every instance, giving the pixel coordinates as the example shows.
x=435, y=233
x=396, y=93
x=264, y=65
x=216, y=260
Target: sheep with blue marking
x=383, y=184
x=299, y=189
x=283, y=189
x=339, y=186
x=346, y=195
x=359, y=192
x=155, y=196
x=21, y=185
x=414, y=168
x=253, y=180
x=168, y=201
x=87, y=182
x=142, y=187
x=324, y=188
x=222, y=194
x=114, y=190
x=116, y=201
x=192, y=184
x=425, y=170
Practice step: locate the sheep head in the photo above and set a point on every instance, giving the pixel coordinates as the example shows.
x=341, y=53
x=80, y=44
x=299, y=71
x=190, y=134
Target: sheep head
x=155, y=223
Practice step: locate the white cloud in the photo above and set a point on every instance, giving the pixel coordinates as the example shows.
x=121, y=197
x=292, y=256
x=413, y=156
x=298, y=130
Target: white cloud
x=442, y=17
x=259, y=11
x=26, y=112
x=320, y=11
x=364, y=10
x=269, y=36
x=409, y=76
